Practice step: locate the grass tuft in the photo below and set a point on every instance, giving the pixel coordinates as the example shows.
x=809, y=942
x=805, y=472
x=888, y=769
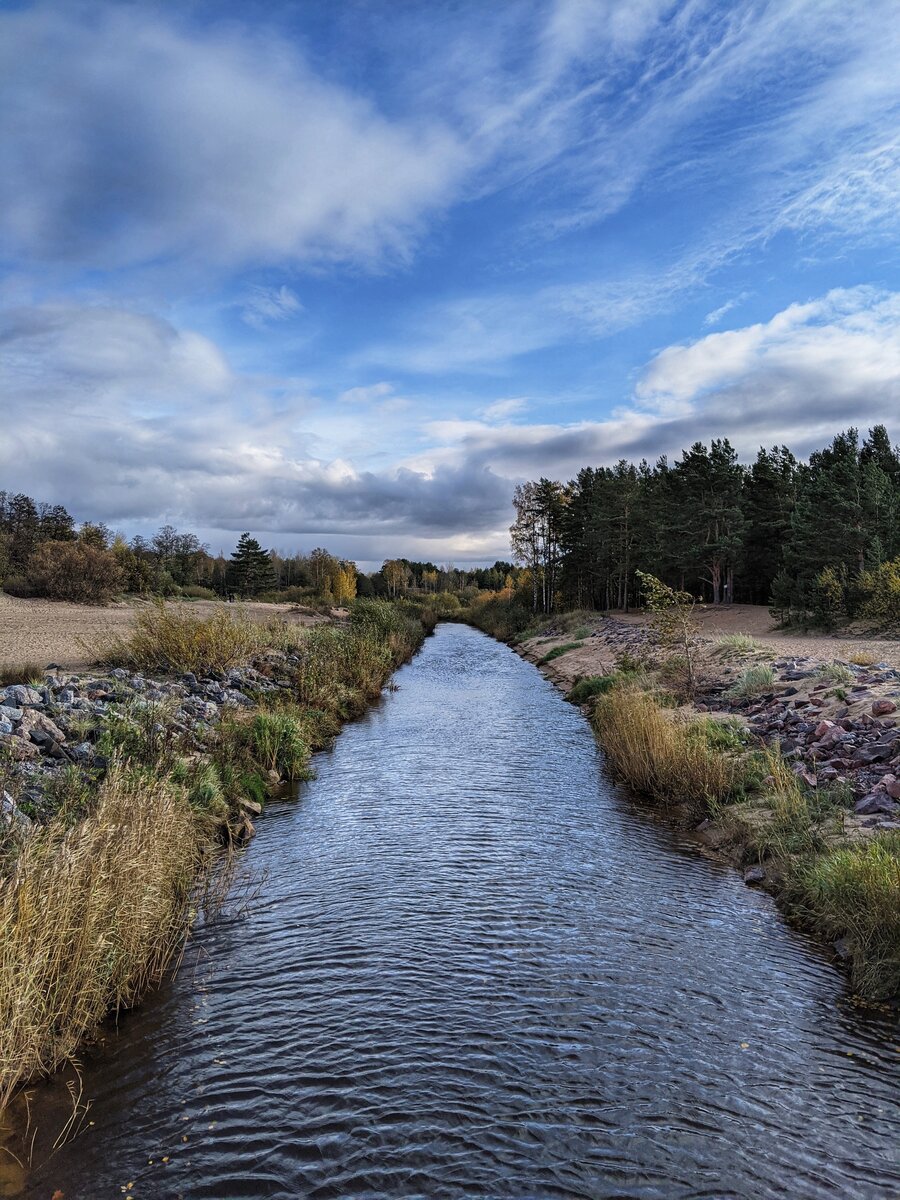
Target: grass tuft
x=666, y=759
x=835, y=672
x=737, y=645
x=557, y=651
x=854, y=892
x=752, y=682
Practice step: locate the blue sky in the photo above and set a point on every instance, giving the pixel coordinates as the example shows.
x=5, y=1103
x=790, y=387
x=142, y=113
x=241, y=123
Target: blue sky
x=343, y=273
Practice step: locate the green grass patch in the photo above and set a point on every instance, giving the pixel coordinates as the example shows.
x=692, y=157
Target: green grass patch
x=557, y=651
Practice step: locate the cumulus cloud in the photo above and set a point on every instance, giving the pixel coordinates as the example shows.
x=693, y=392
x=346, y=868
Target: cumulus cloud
x=126, y=418
x=810, y=370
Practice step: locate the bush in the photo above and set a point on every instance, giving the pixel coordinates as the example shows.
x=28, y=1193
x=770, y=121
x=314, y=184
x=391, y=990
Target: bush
x=18, y=585
x=589, y=688
x=195, y=592
x=879, y=592
x=172, y=639
x=74, y=571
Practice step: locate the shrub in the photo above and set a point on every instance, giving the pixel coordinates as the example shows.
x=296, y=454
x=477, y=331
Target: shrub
x=879, y=592
x=829, y=598
x=172, y=639
x=18, y=586
x=752, y=682
x=195, y=592
x=592, y=686
x=74, y=571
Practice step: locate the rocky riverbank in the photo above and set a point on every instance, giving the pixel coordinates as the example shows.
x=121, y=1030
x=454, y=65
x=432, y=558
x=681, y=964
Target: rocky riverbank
x=52, y=725
x=836, y=722
x=789, y=766
x=117, y=786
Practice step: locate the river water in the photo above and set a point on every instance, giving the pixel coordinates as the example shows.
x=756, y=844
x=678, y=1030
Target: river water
x=476, y=969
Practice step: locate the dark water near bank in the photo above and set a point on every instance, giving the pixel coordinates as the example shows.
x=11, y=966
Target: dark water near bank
x=476, y=970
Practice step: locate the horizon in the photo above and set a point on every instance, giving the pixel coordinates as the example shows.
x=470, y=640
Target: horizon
x=344, y=275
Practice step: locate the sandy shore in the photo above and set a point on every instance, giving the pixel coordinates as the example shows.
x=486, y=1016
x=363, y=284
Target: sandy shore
x=38, y=632
x=597, y=656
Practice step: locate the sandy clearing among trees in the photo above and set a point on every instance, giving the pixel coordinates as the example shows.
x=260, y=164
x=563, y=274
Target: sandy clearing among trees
x=45, y=631
x=595, y=656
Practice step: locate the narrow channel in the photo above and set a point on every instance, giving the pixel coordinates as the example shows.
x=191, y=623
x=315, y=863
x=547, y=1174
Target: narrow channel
x=475, y=968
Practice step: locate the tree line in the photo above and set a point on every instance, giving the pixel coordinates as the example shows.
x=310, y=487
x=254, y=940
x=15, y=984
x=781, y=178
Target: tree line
x=45, y=552
x=818, y=540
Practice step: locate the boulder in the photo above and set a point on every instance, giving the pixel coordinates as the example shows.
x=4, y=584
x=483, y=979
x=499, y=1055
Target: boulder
x=876, y=802
x=20, y=694
x=34, y=722
x=883, y=707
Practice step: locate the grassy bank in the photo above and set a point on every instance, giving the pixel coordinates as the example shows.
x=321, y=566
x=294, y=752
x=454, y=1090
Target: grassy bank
x=846, y=892
x=96, y=900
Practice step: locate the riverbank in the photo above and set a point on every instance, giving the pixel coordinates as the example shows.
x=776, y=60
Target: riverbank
x=786, y=764
x=120, y=789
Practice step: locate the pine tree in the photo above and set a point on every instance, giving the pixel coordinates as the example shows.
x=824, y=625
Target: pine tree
x=770, y=493
x=250, y=570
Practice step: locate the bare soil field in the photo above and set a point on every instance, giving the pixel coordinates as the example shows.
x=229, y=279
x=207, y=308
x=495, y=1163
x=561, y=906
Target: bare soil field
x=45, y=631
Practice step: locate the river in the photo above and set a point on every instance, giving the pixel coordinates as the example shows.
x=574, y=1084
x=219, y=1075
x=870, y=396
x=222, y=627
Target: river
x=475, y=968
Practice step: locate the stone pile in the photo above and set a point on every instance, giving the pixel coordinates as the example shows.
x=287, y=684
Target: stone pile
x=45, y=729
x=832, y=733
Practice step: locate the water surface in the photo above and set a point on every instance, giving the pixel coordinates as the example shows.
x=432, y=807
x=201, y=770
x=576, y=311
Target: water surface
x=477, y=969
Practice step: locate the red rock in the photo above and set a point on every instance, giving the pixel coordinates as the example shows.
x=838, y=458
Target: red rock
x=822, y=728
x=881, y=708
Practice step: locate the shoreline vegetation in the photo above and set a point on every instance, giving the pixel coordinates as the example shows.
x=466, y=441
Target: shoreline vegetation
x=124, y=791
x=711, y=753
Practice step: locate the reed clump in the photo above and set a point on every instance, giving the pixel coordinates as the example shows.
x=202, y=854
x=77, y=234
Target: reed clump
x=669, y=760
x=90, y=916
x=854, y=892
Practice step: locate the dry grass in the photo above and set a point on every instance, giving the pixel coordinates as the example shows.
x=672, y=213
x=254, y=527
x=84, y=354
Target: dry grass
x=90, y=917
x=669, y=760
x=170, y=639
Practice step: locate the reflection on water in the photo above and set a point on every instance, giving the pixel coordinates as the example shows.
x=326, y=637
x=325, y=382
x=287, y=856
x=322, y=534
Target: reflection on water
x=475, y=970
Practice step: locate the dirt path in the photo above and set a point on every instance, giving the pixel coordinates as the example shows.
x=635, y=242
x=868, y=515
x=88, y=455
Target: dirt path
x=38, y=632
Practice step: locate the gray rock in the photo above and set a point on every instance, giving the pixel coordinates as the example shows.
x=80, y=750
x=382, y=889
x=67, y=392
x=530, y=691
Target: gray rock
x=754, y=875
x=8, y=713
x=876, y=802
x=20, y=694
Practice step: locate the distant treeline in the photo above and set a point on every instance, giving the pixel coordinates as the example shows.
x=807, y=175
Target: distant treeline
x=45, y=552
x=818, y=540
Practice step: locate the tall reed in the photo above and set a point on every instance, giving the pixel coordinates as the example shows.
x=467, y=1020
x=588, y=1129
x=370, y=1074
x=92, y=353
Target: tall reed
x=90, y=916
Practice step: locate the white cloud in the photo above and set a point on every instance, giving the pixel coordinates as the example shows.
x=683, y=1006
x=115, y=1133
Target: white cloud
x=501, y=409
x=265, y=305
x=128, y=138
x=367, y=395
